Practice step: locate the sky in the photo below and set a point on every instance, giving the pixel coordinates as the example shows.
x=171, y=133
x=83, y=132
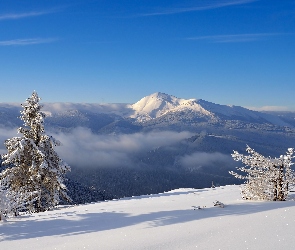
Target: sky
x=235, y=52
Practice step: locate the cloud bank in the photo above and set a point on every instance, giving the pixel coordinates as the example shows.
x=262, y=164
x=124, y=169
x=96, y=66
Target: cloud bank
x=83, y=148
x=202, y=159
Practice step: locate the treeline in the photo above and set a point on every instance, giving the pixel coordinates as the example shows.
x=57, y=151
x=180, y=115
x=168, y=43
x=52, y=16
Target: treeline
x=126, y=182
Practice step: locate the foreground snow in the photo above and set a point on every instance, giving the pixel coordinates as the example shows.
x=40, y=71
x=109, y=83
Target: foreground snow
x=161, y=221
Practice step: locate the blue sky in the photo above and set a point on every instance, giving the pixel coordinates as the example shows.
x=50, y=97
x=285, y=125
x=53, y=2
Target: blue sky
x=239, y=52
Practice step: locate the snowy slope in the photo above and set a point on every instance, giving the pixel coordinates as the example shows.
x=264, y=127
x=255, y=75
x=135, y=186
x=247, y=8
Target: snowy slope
x=161, y=221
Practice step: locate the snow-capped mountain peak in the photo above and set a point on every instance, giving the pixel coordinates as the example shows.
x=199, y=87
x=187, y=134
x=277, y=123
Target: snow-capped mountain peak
x=158, y=104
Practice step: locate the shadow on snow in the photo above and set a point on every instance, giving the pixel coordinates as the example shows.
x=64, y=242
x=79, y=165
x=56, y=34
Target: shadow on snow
x=72, y=223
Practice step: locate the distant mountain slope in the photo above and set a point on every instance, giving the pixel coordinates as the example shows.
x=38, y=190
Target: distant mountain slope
x=286, y=116
x=136, y=138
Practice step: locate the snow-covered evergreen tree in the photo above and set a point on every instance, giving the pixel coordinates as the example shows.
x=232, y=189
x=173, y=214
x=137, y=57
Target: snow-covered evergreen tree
x=266, y=178
x=35, y=172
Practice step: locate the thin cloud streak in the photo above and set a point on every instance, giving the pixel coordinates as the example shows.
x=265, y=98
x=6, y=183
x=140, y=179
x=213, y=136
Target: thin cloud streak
x=14, y=16
x=235, y=38
x=29, y=41
x=217, y=5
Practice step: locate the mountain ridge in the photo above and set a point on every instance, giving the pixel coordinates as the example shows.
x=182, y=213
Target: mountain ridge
x=158, y=105
x=164, y=104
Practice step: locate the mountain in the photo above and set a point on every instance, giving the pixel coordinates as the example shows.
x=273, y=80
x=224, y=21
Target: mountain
x=153, y=109
x=157, y=144
x=159, y=105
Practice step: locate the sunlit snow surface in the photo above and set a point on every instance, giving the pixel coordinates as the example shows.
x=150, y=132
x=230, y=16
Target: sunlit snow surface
x=160, y=221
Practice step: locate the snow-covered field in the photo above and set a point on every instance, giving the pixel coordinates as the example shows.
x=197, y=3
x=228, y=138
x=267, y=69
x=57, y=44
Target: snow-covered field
x=160, y=221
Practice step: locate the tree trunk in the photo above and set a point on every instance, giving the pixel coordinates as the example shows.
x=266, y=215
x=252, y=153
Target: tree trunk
x=280, y=193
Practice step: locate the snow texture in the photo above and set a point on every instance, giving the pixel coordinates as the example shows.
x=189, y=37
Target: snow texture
x=160, y=221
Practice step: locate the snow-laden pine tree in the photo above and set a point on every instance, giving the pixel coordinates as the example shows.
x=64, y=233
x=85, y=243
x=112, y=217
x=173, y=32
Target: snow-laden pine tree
x=266, y=178
x=35, y=172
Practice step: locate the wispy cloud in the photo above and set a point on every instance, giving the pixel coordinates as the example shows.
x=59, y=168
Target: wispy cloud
x=235, y=38
x=11, y=16
x=29, y=41
x=271, y=108
x=200, y=7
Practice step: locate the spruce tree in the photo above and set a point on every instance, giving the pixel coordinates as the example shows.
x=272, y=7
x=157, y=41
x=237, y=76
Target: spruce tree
x=35, y=171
